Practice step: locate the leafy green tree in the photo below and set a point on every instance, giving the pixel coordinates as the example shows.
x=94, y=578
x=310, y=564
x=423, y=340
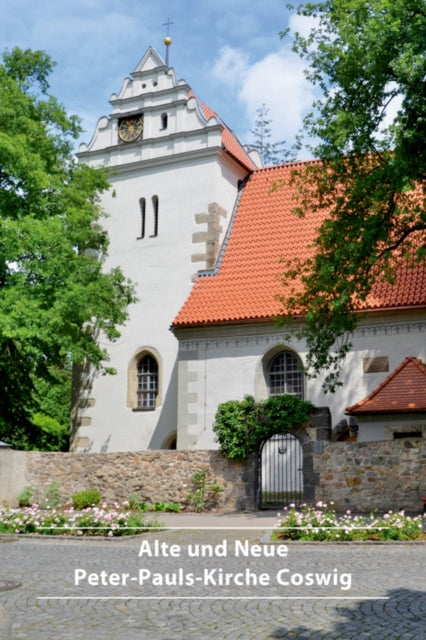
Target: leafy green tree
x=53, y=408
x=55, y=297
x=270, y=152
x=367, y=57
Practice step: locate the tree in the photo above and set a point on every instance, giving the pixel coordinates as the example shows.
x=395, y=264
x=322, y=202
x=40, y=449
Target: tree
x=55, y=297
x=368, y=59
x=270, y=152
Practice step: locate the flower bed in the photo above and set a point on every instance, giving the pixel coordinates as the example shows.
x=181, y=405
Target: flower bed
x=116, y=520
x=321, y=523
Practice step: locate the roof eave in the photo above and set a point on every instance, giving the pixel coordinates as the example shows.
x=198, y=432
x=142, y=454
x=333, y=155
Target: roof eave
x=221, y=323
x=371, y=412
x=247, y=166
x=405, y=307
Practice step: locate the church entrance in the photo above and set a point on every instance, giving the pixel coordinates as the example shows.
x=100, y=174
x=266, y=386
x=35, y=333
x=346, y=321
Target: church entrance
x=280, y=471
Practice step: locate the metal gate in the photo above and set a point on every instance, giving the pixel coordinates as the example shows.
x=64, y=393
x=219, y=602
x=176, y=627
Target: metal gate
x=280, y=471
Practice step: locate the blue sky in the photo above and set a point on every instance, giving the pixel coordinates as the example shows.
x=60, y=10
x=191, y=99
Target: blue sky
x=229, y=52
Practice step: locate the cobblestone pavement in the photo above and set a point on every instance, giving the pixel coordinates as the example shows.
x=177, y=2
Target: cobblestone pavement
x=375, y=590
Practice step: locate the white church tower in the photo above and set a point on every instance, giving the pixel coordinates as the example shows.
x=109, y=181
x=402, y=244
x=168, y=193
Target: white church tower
x=175, y=170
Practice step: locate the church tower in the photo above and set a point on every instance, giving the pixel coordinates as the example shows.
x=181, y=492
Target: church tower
x=175, y=170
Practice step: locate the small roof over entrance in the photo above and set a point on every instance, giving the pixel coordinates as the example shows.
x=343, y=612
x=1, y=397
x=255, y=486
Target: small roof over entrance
x=403, y=391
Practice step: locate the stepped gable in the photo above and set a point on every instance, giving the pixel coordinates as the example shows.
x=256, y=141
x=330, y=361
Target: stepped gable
x=230, y=141
x=403, y=391
x=264, y=232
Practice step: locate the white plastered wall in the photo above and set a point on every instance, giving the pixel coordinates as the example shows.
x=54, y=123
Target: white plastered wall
x=185, y=167
x=226, y=363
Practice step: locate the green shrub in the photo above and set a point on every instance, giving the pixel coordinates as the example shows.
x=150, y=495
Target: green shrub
x=216, y=488
x=241, y=425
x=136, y=504
x=25, y=499
x=53, y=495
x=203, y=492
x=7, y=527
x=196, y=497
x=159, y=506
x=86, y=498
x=321, y=523
x=166, y=506
x=53, y=523
x=173, y=506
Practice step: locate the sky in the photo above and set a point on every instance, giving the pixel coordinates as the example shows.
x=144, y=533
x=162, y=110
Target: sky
x=229, y=52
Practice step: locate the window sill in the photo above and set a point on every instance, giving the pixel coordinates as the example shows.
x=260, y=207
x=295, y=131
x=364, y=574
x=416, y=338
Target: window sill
x=138, y=409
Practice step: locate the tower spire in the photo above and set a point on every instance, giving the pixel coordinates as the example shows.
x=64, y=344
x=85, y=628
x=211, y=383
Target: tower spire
x=167, y=40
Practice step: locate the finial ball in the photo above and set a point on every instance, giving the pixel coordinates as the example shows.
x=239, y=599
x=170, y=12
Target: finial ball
x=167, y=41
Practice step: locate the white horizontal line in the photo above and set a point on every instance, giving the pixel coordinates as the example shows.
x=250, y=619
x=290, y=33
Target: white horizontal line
x=161, y=528
x=212, y=598
x=142, y=530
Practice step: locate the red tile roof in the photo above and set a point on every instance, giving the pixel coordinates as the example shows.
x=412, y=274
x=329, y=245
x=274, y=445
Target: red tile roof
x=264, y=231
x=230, y=141
x=403, y=391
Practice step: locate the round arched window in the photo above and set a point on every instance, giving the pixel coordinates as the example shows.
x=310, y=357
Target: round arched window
x=285, y=375
x=147, y=378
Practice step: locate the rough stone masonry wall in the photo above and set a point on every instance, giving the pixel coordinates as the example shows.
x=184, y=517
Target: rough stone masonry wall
x=361, y=477
x=365, y=476
x=153, y=475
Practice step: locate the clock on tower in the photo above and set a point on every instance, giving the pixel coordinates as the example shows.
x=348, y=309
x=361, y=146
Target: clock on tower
x=130, y=128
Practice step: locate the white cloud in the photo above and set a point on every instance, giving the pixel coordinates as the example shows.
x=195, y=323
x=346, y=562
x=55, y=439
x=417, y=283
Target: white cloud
x=276, y=80
x=302, y=24
x=231, y=66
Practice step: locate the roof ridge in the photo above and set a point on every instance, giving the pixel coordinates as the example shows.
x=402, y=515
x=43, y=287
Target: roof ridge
x=293, y=163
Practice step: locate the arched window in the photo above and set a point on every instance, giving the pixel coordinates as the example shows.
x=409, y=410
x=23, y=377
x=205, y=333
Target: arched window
x=155, y=205
x=285, y=375
x=147, y=382
x=148, y=219
x=142, y=205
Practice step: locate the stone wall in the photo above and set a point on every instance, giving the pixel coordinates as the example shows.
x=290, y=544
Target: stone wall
x=364, y=476
x=153, y=475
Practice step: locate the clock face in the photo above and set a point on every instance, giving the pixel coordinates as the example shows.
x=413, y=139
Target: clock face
x=129, y=129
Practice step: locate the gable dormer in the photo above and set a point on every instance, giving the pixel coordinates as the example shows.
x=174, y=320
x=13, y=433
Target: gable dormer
x=153, y=116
